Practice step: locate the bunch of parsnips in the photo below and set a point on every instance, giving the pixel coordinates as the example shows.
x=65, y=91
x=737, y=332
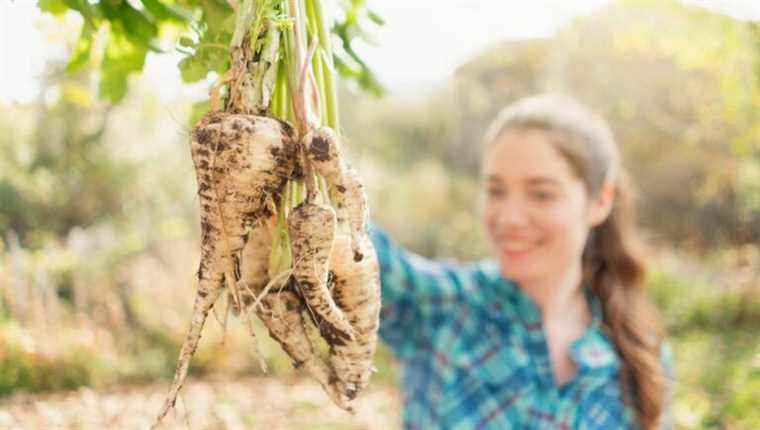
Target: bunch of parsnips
x=283, y=217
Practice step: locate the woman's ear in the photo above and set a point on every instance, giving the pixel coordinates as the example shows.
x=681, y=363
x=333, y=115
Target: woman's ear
x=600, y=205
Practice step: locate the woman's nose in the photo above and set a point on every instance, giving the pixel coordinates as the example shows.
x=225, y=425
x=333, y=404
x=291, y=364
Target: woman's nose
x=511, y=212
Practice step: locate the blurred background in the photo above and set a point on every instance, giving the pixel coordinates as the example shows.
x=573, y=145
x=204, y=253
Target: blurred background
x=99, y=222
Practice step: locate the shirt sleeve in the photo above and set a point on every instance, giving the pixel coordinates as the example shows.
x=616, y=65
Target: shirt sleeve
x=410, y=286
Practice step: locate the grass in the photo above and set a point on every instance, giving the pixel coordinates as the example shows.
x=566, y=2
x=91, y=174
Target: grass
x=714, y=335
x=24, y=367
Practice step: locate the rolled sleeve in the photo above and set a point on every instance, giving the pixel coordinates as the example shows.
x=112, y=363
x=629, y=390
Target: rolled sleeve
x=409, y=282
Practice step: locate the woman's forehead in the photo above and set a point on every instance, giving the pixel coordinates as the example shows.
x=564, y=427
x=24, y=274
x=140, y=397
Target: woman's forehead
x=528, y=155
x=529, y=180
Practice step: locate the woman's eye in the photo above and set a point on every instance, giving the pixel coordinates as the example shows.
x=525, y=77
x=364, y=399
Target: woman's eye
x=543, y=195
x=494, y=192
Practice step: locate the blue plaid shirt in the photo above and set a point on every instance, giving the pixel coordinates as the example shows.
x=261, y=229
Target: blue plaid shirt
x=474, y=352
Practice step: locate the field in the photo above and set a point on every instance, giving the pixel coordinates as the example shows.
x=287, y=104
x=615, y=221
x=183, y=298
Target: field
x=99, y=221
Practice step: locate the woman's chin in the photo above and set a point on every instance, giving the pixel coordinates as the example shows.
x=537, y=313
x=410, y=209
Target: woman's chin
x=517, y=272
x=520, y=263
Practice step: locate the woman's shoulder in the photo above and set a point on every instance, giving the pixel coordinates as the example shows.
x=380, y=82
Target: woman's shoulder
x=438, y=281
x=486, y=274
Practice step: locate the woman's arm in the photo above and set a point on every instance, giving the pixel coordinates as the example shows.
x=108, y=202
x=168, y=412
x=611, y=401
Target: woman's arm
x=410, y=285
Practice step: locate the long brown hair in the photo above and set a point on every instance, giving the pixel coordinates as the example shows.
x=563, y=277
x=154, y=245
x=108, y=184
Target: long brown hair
x=612, y=261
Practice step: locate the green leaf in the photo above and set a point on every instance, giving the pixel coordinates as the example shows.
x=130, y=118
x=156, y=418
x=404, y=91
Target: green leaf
x=197, y=111
x=218, y=16
x=344, y=69
x=192, y=69
x=122, y=57
x=167, y=12
x=186, y=42
x=348, y=63
x=374, y=17
x=90, y=14
x=82, y=49
x=131, y=22
x=216, y=60
x=134, y=31
x=56, y=7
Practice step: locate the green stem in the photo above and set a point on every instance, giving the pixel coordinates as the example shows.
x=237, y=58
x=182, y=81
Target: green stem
x=297, y=49
x=289, y=48
x=279, y=99
x=258, y=22
x=329, y=94
x=316, y=61
x=321, y=71
x=212, y=46
x=287, y=259
x=291, y=114
x=319, y=75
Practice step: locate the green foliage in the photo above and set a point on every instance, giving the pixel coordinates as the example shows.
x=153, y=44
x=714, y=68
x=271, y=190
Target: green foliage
x=165, y=11
x=55, y=7
x=352, y=27
x=23, y=369
x=122, y=57
x=59, y=175
x=713, y=331
x=206, y=30
x=132, y=32
x=81, y=54
x=207, y=49
x=77, y=199
x=144, y=355
x=694, y=305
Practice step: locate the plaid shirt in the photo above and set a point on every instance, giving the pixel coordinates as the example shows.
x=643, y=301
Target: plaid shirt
x=475, y=356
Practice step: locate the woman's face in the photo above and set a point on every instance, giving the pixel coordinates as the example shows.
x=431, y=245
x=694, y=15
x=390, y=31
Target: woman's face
x=536, y=212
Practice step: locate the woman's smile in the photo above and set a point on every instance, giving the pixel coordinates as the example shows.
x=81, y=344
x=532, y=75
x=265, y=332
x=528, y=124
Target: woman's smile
x=534, y=209
x=519, y=250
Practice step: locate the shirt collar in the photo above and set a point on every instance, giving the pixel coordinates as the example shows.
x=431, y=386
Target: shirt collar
x=593, y=350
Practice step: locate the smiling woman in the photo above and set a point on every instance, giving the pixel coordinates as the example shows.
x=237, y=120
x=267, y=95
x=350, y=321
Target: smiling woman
x=562, y=164
x=556, y=333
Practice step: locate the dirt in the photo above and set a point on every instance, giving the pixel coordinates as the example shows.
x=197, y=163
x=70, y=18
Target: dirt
x=242, y=403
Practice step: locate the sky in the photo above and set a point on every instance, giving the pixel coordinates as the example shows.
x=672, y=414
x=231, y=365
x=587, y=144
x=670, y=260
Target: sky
x=420, y=45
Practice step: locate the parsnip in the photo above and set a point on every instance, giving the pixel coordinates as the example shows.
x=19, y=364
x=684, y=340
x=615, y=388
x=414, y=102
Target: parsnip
x=312, y=230
x=280, y=309
x=242, y=163
x=356, y=290
x=323, y=150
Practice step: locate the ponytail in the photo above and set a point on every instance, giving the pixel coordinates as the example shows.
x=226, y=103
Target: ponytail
x=613, y=266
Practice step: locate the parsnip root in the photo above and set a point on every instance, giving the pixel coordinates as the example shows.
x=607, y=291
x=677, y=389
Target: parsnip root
x=280, y=310
x=242, y=163
x=356, y=290
x=312, y=231
x=323, y=150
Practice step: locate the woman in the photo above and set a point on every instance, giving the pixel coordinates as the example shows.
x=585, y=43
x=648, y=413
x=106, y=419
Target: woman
x=556, y=332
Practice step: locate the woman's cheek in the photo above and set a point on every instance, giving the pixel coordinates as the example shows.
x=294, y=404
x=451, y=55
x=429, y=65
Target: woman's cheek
x=489, y=220
x=566, y=235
